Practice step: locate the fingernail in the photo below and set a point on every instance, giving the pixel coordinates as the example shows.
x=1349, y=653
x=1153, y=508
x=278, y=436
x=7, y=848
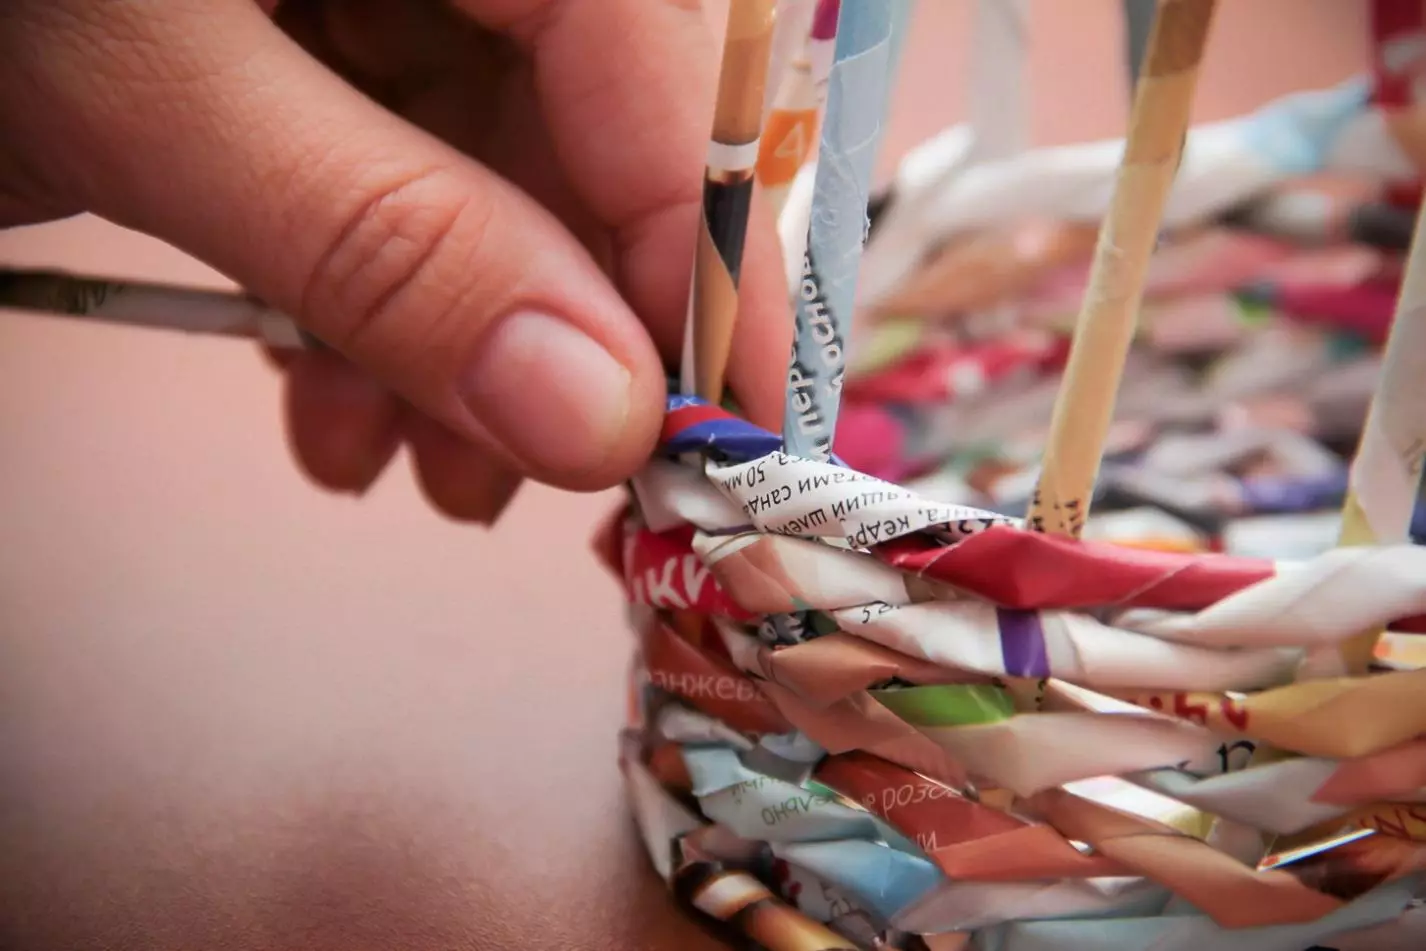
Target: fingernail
x=369, y=469
x=551, y=394
x=497, y=506
x=478, y=490
x=496, y=498
x=357, y=456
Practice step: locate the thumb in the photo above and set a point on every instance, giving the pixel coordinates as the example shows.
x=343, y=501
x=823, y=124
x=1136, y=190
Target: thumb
x=421, y=265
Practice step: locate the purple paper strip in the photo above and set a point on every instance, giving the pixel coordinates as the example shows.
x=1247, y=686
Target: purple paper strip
x=1022, y=643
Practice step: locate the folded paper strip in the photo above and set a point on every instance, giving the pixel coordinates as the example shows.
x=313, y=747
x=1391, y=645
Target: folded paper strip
x=869, y=709
x=919, y=725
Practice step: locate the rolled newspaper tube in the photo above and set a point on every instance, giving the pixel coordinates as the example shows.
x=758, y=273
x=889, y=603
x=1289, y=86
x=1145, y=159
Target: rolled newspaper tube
x=1385, y=476
x=791, y=130
x=796, y=213
x=1138, y=25
x=1316, y=218
x=1301, y=216
x=1105, y=329
x=998, y=129
x=1186, y=743
x=999, y=104
x=902, y=13
x=979, y=271
x=922, y=171
x=1398, y=32
x=1382, y=225
x=727, y=197
x=826, y=295
x=1228, y=163
x=1364, y=308
x=793, y=18
x=745, y=904
x=158, y=306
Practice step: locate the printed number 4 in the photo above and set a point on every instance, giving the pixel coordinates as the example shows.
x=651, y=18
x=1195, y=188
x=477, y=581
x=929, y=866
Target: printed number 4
x=793, y=145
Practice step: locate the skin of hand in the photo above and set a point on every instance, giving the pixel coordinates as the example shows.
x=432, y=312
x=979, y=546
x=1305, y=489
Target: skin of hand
x=486, y=207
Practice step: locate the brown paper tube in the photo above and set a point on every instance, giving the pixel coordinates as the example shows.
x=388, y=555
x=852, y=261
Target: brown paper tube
x=1105, y=328
x=727, y=196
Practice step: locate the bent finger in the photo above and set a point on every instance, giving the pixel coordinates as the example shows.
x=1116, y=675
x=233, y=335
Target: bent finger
x=422, y=266
x=627, y=87
x=343, y=427
x=462, y=480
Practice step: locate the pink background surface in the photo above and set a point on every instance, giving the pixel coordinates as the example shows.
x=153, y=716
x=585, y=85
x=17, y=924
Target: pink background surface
x=213, y=673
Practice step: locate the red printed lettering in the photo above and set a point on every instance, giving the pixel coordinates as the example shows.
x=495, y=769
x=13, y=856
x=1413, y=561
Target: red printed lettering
x=1234, y=712
x=714, y=686
x=695, y=576
x=907, y=794
x=1196, y=712
x=658, y=583
x=663, y=571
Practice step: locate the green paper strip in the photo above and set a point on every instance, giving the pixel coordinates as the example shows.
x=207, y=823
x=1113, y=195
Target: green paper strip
x=1253, y=313
x=887, y=342
x=827, y=792
x=948, y=705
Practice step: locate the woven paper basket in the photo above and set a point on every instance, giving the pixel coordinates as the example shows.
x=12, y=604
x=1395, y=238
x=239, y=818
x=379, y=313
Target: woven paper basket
x=943, y=760
x=862, y=716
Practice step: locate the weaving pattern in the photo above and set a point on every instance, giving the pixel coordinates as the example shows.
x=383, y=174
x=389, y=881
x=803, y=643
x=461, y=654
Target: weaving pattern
x=955, y=726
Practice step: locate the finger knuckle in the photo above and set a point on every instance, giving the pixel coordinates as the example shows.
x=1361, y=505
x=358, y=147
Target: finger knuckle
x=399, y=262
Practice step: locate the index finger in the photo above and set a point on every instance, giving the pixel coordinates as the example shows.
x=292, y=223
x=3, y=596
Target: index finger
x=627, y=87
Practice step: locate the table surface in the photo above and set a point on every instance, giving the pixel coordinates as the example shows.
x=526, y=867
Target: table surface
x=238, y=714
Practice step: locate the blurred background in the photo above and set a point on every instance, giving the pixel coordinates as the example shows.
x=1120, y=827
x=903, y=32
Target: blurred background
x=224, y=684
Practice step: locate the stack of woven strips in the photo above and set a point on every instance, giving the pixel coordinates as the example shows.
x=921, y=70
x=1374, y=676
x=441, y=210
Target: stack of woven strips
x=865, y=716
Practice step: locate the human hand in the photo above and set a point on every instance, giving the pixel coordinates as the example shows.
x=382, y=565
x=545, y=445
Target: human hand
x=487, y=207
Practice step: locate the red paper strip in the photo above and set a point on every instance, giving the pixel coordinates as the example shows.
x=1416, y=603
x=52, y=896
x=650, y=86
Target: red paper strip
x=662, y=570
x=712, y=686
